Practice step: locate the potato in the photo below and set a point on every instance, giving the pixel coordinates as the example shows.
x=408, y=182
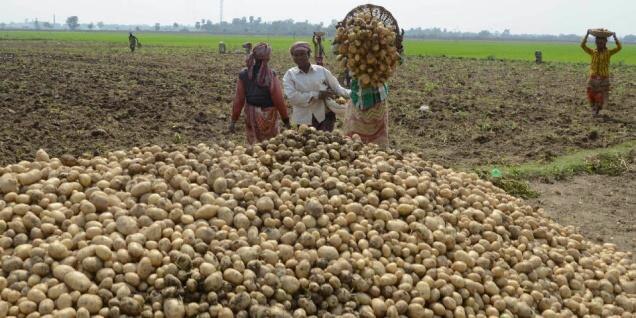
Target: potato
x=308, y=223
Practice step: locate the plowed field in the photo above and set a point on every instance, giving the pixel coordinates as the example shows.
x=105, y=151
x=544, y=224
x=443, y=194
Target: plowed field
x=75, y=98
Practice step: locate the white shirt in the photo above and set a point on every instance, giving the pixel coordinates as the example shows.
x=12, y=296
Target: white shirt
x=302, y=90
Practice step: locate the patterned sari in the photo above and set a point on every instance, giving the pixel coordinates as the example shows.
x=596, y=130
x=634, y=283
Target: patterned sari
x=368, y=114
x=260, y=123
x=372, y=124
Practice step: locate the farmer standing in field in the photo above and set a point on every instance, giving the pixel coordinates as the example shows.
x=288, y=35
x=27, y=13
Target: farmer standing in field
x=132, y=42
x=308, y=87
x=247, y=46
x=320, y=50
x=258, y=90
x=598, y=85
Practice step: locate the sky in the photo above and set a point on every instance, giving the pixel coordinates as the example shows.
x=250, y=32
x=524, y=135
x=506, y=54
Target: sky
x=520, y=16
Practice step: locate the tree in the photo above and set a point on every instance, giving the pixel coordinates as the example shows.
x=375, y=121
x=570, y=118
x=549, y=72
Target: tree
x=36, y=24
x=157, y=26
x=197, y=25
x=175, y=25
x=47, y=25
x=72, y=22
x=3, y=25
x=91, y=26
x=207, y=26
x=137, y=28
x=484, y=34
x=100, y=25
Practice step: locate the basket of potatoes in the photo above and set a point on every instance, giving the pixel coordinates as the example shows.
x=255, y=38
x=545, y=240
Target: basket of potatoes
x=369, y=44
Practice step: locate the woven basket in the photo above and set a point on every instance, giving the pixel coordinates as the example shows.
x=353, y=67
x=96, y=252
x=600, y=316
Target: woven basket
x=381, y=14
x=601, y=33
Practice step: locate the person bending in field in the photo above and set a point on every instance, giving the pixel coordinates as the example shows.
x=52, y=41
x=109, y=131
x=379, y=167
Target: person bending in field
x=598, y=85
x=307, y=87
x=132, y=42
x=258, y=90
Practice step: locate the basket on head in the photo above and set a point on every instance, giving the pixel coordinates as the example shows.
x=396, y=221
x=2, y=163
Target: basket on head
x=601, y=33
x=381, y=14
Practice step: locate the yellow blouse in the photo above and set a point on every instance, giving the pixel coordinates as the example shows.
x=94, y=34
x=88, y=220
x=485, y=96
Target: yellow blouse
x=600, y=60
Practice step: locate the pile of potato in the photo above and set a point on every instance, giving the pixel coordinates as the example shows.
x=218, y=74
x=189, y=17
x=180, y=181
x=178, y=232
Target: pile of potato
x=366, y=46
x=307, y=224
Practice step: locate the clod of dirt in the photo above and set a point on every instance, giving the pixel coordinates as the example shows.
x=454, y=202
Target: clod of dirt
x=201, y=117
x=593, y=135
x=99, y=133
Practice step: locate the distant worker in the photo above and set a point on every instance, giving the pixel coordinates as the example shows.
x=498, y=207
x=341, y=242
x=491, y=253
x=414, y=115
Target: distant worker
x=248, y=47
x=308, y=87
x=133, y=42
x=318, y=48
x=598, y=85
x=221, y=47
x=259, y=92
x=345, y=75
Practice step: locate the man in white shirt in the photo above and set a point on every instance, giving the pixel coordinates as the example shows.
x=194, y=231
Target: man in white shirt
x=307, y=86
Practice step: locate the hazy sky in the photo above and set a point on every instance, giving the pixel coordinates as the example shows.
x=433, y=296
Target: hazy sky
x=520, y=16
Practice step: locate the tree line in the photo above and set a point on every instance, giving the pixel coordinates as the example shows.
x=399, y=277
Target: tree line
x=256, y=26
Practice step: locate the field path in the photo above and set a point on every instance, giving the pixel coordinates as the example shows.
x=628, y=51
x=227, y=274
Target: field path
x=603, y=207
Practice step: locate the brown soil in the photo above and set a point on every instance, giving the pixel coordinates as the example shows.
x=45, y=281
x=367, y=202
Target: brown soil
x=94, y=97
x=604, y=208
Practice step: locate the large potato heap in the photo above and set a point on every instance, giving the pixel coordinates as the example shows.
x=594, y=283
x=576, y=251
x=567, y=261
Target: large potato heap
x=366, y=46
x=308, y=224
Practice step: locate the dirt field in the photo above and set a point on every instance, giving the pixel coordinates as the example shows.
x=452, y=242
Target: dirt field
x=76, y=98
x=92, y=98
x=604, y=208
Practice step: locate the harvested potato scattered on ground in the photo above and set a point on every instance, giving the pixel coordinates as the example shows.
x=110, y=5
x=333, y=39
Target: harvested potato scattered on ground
x=306, y=224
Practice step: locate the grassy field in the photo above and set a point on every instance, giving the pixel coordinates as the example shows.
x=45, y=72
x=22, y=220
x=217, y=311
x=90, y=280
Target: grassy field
x=557, y=52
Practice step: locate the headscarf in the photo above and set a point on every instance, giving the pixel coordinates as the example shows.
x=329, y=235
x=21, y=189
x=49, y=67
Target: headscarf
x=260, y=53
x=300, y=46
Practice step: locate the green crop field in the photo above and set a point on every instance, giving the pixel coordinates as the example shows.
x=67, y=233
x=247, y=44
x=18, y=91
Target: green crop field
x=552, y=51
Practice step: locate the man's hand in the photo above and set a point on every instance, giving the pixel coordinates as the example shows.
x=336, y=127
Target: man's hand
x=232, y=127
x=326, y=94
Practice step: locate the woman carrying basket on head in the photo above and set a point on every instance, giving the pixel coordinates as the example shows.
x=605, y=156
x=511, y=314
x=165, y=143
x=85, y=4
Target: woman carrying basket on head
x=370, y=47
x=598, y=85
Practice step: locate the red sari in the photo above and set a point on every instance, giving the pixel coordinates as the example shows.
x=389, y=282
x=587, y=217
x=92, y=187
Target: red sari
x=261, y=123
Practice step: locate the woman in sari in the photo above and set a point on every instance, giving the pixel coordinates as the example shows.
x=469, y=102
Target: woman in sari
x=259, y=92
x=368, y=114
x=598, y=85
